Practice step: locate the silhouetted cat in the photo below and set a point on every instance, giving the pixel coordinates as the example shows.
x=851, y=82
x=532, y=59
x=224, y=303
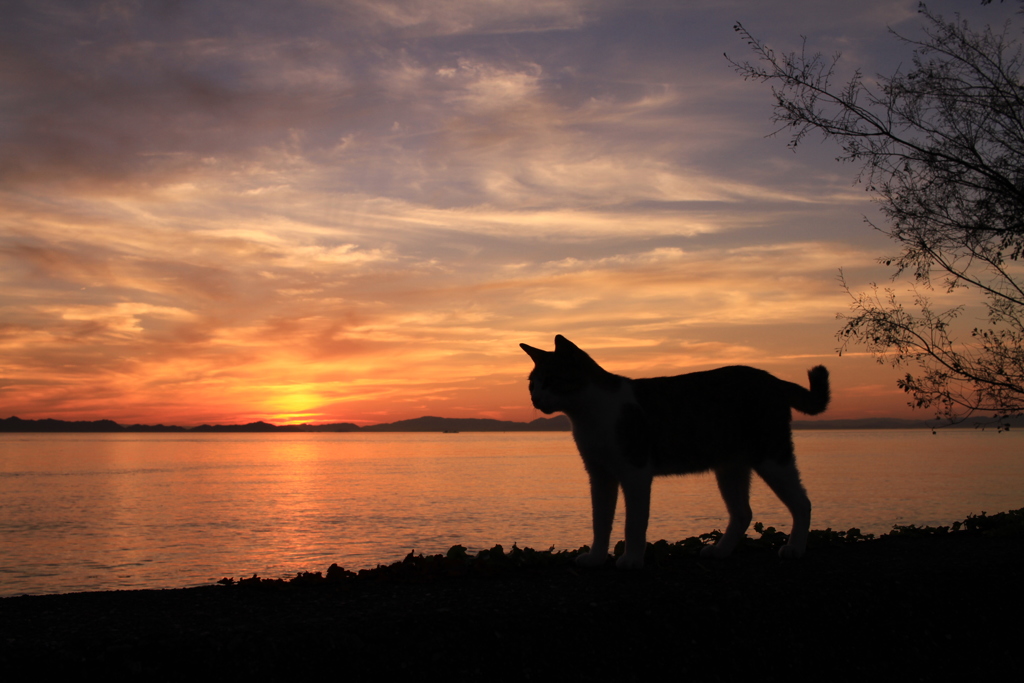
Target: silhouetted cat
x=731, y=420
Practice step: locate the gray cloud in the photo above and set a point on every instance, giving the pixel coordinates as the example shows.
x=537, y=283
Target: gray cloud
x=202, y=199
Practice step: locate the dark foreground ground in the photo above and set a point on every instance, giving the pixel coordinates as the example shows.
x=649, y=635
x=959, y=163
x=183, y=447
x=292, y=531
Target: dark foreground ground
x=915, y=606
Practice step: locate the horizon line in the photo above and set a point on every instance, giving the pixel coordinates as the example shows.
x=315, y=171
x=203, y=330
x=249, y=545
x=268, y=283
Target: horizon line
x=559, y=422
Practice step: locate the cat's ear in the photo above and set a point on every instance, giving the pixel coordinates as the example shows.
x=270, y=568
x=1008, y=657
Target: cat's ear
x=535, y=354
x=563, y=344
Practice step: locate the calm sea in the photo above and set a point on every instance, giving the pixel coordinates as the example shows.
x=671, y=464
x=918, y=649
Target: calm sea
x=99, y=512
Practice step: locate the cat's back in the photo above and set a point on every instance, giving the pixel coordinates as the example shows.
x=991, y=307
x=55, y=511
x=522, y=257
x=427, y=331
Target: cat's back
x=714, y=398
x=720, y=383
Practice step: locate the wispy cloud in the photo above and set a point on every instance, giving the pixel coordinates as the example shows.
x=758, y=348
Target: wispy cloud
x=355, y=211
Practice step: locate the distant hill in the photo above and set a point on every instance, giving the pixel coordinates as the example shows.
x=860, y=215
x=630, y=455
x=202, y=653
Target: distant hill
x=559, y=423
x=15, y=424
x=1016, y=422
x=420, y=424
x=472, y=424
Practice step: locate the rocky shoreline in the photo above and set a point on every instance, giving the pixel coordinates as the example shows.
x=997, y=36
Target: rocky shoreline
x=916, y=604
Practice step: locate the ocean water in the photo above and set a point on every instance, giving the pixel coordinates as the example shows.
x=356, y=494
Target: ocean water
x=82, y=512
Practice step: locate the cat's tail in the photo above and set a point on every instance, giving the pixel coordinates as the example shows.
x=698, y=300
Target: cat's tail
x=814, y=400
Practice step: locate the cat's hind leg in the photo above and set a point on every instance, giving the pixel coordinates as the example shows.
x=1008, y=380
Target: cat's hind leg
x=784, y=480
x=604, y=494
x=734, y=485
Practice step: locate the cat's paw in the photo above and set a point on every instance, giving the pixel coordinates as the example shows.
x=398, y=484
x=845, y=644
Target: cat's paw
x=713, y=552
x=592, y=559
x=627, y=562
x=790, y=552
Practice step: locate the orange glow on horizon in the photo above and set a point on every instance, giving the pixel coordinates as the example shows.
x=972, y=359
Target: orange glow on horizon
x=861, y=388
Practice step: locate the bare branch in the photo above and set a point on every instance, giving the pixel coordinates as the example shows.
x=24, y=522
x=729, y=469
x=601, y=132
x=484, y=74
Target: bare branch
x=941, y=148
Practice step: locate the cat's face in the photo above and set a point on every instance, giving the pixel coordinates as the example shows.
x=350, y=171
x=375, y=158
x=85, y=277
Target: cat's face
x=558, y=376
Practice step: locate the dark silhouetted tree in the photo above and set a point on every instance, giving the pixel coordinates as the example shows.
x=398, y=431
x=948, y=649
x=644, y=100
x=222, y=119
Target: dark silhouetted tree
x=941, y=147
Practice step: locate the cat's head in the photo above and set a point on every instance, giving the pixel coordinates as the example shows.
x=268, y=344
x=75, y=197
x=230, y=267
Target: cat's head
x=561, y=378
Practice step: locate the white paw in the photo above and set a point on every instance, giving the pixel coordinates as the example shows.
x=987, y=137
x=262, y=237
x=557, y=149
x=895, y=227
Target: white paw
x=592, y=559
x=713, y=552
x=790, y=552
x=627, y=562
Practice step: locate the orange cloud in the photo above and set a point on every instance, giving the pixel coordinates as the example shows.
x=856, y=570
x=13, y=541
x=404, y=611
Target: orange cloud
x=356, y=212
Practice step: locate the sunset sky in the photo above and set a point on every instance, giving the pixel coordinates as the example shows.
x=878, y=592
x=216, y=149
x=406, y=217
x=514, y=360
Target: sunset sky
x=354, y=211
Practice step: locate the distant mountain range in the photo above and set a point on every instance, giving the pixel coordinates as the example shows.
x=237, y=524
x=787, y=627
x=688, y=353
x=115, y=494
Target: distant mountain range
x=559, y=423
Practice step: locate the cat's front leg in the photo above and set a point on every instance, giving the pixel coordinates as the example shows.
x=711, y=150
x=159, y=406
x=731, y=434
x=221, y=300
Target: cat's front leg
x=636, y=489
x=604, y=494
